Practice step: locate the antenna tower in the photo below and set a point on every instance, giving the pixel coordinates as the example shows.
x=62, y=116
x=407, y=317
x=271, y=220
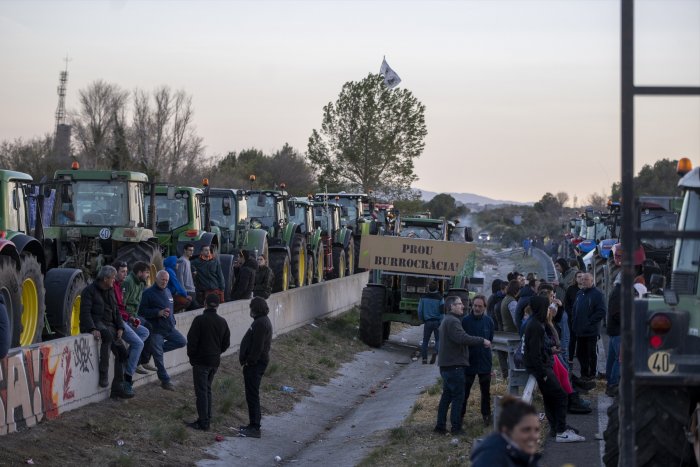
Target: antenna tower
x=61, y=109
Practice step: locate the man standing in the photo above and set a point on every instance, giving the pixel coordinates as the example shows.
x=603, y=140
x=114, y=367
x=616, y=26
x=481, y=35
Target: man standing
x=207, y=339
x=589, y=311
x=479, y=324
x=430, y=312
x=132, y=290
x=184, y=274
x=100, y=317
x=254, y=355
x=157, y=307
x=453, y=359
x=209, y=277
x=134, y=334
x=245, y=280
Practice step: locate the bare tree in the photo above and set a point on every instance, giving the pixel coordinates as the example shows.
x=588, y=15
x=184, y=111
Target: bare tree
x=562, y=197
x=597, y=201
x=31, y=156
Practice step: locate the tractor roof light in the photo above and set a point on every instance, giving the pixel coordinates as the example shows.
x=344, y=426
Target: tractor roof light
x=283, y=186
x=251, y=177
x=75, y=165
x=684, y=166
x=660, y=324
x=205, y=182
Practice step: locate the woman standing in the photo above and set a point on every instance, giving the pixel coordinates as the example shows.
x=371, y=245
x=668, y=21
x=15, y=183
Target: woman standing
x=263, y=279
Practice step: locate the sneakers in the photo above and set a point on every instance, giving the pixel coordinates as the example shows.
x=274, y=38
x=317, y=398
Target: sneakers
x=249, y=432
x=433, y=358
x=149, y=367
x=167, y=385
x=195, y=425
x=123, y=391
x=141, y=370
x=569, y=436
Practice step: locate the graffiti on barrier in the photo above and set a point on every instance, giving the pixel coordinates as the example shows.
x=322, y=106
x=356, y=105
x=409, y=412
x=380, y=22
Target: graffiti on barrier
x=68, y=393
x=26, y=388
x=82, y=351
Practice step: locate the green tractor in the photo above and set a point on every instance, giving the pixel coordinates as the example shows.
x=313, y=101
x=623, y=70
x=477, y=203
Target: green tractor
x=667, y=352
x=303, y=209
x=180, y=220
x=269, y=210
x=98, y=217
x=338, y=244
x=394, y=296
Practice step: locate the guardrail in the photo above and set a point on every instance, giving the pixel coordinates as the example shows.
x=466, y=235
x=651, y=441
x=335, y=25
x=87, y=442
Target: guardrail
x=547, y=264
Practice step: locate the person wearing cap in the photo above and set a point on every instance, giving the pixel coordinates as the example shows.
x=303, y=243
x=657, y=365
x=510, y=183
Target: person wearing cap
x=254, y=356
x=207, y=339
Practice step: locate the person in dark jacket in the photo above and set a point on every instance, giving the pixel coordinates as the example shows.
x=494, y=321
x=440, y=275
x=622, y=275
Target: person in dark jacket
x=430, y=312
x=100, y=316
x=589, y=311
x=479, y=324
x=207, y=339
x=569, y=299
x=181, y=299
x=498, y=292
x=245, y=281
x=508, y=306
x=208, y=275
x=453, y=358
x=264, y=277
x=538, y=362
x=254, y=356
x=612, y=367
x=5, y=334
x=515, y=442
x=157, y=307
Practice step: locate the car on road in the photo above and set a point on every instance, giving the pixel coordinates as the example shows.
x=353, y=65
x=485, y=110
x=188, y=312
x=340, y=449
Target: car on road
x=484, y=237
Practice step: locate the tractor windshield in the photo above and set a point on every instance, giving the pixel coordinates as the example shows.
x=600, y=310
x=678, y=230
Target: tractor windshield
x=261, y=210
x=661, y=221
x=170, y=213
x=688, y=250
x=427, y=232
x=322, y=216
x=93, y=203
x=349, y=212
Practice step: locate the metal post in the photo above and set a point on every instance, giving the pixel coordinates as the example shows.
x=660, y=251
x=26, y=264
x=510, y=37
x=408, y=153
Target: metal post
x=627, y=425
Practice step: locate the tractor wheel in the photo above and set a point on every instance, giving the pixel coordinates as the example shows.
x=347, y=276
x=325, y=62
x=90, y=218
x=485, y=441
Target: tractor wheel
x=320, y=273
x=309, y=268
x=148, y=252
x=350, y=258
x=338, y=263
x=33, y=305
x=386, y=330
x=226, y=262
x=298, y=250
x=661, y=417
x=63, y=289
x=10, y=292
x=358, y=241
x=371, y=309
x=279, y=263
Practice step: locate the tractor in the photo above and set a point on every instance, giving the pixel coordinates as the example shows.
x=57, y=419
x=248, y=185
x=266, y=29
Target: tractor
x=303, y=209
x=337, y=241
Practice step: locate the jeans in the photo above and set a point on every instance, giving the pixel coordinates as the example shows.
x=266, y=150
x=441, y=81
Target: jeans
x=565, y=338
x=612, y=368
x=484, y=386
x=162, y=343
x=147, y=344
x=135, y=337
x=202, y=376
x=252, y=375
x=452, y=393
x=429, y=328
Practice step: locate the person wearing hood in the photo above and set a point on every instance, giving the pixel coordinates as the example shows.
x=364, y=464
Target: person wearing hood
x=539, y=363
x=430, y=312
x=254, y=356
x=516, y=439
x=264, y=277
x=527, y=292
x=181, y=299
x=208, y=275
x=245, y=281
x=5, y=335
x=453, y=359
x=479, y=324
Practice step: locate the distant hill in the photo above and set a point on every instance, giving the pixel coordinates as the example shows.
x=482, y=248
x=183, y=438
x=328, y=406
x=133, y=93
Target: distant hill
x=471, y=198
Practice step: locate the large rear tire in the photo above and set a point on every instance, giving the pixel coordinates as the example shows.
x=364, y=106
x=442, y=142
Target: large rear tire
x=661, y=417
x=148, y=252
x=33, y=306
x=280, y=265
x=226, y=262
x=319, y=272
x=371, y=309
x=338, y=263
x=350, y=258
x=11, y=293
x=310, y=271
x=298, y=250
x=63, y=289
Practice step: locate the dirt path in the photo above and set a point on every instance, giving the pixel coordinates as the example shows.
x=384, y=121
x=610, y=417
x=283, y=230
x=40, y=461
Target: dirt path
x=340, y=423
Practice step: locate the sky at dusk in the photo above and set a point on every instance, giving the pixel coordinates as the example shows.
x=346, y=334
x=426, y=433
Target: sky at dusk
x=522, y=97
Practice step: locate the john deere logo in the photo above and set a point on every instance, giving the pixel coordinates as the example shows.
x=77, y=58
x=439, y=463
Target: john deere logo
x=105, y=233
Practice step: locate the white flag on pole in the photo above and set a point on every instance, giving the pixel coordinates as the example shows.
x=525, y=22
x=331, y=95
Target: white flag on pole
x=391, y=79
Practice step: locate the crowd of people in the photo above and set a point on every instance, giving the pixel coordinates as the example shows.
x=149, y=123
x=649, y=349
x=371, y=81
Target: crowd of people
x=557, y=321
x=137, y=324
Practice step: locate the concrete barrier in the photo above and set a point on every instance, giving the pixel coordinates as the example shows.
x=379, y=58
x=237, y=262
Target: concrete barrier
x=44, y=380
